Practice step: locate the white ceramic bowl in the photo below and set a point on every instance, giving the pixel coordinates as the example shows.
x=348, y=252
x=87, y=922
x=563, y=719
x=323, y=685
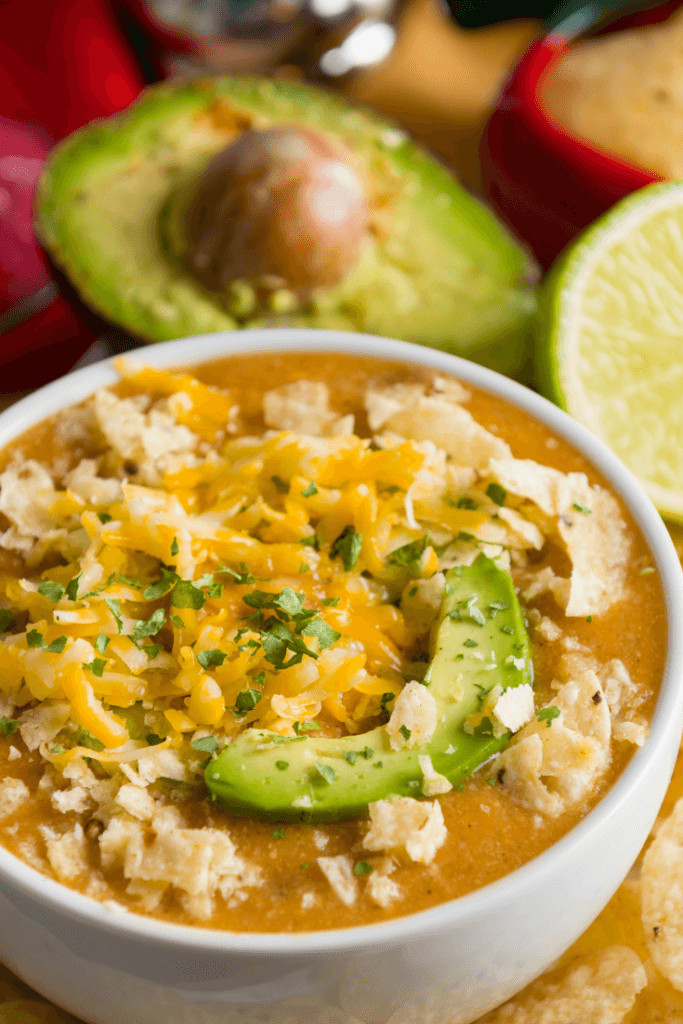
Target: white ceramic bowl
x=446, y=965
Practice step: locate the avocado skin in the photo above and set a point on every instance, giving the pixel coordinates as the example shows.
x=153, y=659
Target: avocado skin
x=245, y=780
x=454, y=279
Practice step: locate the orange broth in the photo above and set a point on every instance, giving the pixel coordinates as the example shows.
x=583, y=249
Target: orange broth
x=488, y=835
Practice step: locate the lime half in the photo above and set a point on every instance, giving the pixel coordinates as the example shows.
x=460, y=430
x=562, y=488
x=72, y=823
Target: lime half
x=610, y=340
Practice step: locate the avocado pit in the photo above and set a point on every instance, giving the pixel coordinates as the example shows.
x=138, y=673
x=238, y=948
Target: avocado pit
x=280, y=207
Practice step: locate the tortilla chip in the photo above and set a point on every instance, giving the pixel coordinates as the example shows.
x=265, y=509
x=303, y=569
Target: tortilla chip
x=596, y=990
x=303, y=406
x=339, y=873
x=553, y=762
x=662, y=897
x=589, y=523
x=450, y=427
x=417, y=826
x=383, y=403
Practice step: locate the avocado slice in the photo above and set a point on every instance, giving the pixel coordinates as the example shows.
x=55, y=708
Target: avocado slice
x=437, y=268
x=264, y=775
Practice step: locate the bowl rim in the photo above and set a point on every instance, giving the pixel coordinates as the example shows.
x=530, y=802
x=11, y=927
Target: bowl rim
x=666, y=723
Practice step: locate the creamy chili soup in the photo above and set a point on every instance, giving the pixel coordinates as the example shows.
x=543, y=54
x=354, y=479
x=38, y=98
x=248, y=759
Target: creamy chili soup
x=241, y=606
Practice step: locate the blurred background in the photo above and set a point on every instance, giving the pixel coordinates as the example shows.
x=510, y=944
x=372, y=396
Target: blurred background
x=64, y=62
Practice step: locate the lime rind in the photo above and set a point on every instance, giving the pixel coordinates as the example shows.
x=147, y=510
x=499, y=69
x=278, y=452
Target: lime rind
x=616, y=254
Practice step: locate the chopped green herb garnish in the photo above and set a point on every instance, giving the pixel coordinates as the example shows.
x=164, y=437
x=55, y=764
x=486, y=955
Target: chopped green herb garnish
x=497, y=606
x=311, y=726
x=475, y=613
x=128, y=581
x=8, y=726
x=548, y=714
x=362, y=868
x=72, y=587
x=507, y=629
x=304, y=866
x=153, y=739
x=580, y=507
x=260, y=678
x=466, y=536
x=378, y=764
x=459, y=657
x=6, y=620
x=465, y=502
x=102, y=642
x=177, y=622
x=304, y=567
x=310, y=490
x=330, y=602
x=115, y=608
x=159, y=587
x=408, y=554
x=348, y=546
x=206, y=744
x=384, y=700
x=104, y=517
x=186, y=595
x=405, y=732
x=209, y=659
x=215, y=590
x=496, y=493
x=86, y=739
x=36, y=639
x=149, y=627
x=244, y=578
x=310, y=542
x=247, y=700
x=368, y=753
x=277, y=640
x=96, y=666
x=53, y=591
x=153, y=650
x=57, y=750
x=351, y=756
x=589, y=618
x=282, y=766
x=470, y=643
x=413, y=591
x=491, y=782
x=278, y=833
x=174, y=546
x=204, y=581
x=280, y=486
x=325, y=771
x=324, y=634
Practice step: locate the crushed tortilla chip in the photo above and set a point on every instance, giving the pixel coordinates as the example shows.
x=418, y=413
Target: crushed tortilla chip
x=450, y=427
x=303, y=405
x=553, y=762
x=598, y=990
x=415, y=826
x=589, y=522
x=662, y=897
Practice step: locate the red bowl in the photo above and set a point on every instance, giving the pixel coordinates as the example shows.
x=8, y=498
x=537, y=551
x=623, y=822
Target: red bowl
x=543, y=180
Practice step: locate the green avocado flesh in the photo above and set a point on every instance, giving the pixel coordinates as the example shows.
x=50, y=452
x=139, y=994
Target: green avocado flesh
x=264, y=775
x=444, y=273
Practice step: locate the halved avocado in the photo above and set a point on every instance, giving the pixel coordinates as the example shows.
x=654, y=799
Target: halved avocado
x=435, y=267
x=479, y=642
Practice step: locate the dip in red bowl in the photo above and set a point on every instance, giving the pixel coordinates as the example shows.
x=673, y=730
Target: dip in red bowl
x=545, y=180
